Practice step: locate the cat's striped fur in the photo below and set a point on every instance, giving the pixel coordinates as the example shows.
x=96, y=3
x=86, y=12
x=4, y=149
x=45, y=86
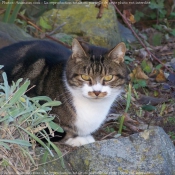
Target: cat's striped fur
x=87, y=81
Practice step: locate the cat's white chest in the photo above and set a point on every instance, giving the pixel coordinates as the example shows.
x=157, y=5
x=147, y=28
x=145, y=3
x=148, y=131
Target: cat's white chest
x=91, y=113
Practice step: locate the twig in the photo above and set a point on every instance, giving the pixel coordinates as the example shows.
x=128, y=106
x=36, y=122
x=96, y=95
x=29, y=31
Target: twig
x=56, y=29
x=114, y=132
x=46, y=35
x=129, y=25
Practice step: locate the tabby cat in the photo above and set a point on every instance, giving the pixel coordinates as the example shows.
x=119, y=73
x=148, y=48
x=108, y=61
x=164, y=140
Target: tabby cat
x=87, y=80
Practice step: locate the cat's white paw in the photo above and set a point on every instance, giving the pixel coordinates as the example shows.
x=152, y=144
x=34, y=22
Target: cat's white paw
x=78, y=141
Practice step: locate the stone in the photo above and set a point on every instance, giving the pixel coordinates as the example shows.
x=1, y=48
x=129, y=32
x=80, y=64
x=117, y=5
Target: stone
x=81, y=21
x=10, y=33
x=149, y=152
x=126, y=34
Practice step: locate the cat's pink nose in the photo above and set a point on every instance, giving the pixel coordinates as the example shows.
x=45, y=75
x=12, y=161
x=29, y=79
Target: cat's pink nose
x=96, y=92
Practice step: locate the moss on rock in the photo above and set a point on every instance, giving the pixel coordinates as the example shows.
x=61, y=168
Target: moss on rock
x=81, y=21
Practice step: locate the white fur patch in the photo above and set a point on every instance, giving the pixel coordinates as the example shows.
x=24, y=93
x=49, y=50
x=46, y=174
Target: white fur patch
x=78, y=141
x=91, y=113
x=98, y=87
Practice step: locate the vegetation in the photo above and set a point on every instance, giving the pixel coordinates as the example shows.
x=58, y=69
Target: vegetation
x=22, y=125
x=149, y=100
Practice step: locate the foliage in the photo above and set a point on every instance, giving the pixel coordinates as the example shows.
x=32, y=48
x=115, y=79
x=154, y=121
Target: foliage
x=12, y=18
x=128, y=101
x=22, y=118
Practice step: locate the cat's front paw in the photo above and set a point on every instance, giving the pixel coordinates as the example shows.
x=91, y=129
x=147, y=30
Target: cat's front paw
x=78, y=141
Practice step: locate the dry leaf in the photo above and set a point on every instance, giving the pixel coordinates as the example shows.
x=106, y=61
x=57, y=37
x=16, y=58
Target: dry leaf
x=160, y=78
x=138, y=74
x=105, y=3
x=101, y=5
x=145, y=134
x=129, y=16
x=130, y=123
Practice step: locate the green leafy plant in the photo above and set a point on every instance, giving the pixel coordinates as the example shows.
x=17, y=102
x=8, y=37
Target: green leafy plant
x=158, y=6
x=11, y=18
x=22, y=118
x=138, y=83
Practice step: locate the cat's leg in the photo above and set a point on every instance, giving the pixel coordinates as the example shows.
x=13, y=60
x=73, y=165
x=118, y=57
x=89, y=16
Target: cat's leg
x=80, y=140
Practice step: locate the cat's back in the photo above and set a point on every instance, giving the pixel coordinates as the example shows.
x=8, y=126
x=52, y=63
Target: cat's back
x=31, y=51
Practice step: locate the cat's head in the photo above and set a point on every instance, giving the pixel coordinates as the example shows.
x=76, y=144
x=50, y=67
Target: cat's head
x=96, y=72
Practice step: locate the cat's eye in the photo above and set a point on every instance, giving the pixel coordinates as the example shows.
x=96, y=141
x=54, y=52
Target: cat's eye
x=86, y=77
x=107, y=77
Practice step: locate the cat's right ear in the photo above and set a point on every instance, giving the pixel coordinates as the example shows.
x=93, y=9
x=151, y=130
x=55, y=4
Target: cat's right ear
x=117, y=54
x=78, y=51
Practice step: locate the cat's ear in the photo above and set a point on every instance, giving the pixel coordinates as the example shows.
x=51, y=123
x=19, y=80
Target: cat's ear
x=78, y=51
x=117, y=54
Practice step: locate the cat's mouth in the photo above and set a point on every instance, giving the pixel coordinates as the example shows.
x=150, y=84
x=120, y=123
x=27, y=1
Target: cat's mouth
x=97, y=94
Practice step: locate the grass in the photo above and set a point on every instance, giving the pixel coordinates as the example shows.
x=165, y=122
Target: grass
x=22, y=118
x=128, y=101
x=11, y=18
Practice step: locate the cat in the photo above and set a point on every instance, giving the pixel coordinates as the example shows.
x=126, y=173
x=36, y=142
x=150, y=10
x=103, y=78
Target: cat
x=87, y=80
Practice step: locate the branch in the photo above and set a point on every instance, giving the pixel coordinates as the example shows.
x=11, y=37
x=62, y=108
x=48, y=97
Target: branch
x=46, y=35
x=129, y=25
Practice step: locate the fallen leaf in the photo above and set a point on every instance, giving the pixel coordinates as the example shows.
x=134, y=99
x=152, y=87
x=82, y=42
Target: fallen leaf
x=145, y=134
x=148, y=108
x=105, y=3
x=172, y=64
x=138, y=74
x=171, y=78
x=144, y=100
x=101, y=5
x=129, y=16
x=160, y=78
x=147, y=66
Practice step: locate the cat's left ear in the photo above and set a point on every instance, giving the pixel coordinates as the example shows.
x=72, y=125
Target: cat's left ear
x=117, y=54
x=78, y=51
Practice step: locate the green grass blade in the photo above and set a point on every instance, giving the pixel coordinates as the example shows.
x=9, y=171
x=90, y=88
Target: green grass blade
x=6, y=85
x=19, y=92
x=5, y=145
x=37, y=139
x=52, y=103
x=121, y=124
x=16, y=141
x=8, y=10
x=128, y=98
x=55, y=127
x=15, y=12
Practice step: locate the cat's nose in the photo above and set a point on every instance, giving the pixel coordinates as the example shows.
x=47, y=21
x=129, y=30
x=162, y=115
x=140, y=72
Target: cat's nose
x=96, y=92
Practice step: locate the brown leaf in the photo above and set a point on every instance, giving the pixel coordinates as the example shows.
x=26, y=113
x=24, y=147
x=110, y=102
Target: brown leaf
x=101, y=5
x=160, y=78
x=105, y=3
x=138, y=74
x=129, y=16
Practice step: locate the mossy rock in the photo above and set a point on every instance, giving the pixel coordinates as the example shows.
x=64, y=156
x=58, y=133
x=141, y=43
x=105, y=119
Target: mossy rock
x=81, y=21
x=148, y=152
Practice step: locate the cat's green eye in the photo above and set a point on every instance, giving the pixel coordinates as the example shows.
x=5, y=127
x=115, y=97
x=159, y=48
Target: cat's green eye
x=108, y=77
x=85, y=77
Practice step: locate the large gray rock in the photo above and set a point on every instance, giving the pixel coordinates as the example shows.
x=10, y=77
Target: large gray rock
x=149, y=152
x=81, y=21
x=10, y=33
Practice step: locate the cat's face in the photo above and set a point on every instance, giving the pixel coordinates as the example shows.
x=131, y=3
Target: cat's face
x=96, y=72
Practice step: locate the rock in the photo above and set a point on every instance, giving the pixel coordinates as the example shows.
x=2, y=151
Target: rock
x=149, y=152
x=81, y=21
x=10, y=33
x=126, y=33
x=64, y=38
